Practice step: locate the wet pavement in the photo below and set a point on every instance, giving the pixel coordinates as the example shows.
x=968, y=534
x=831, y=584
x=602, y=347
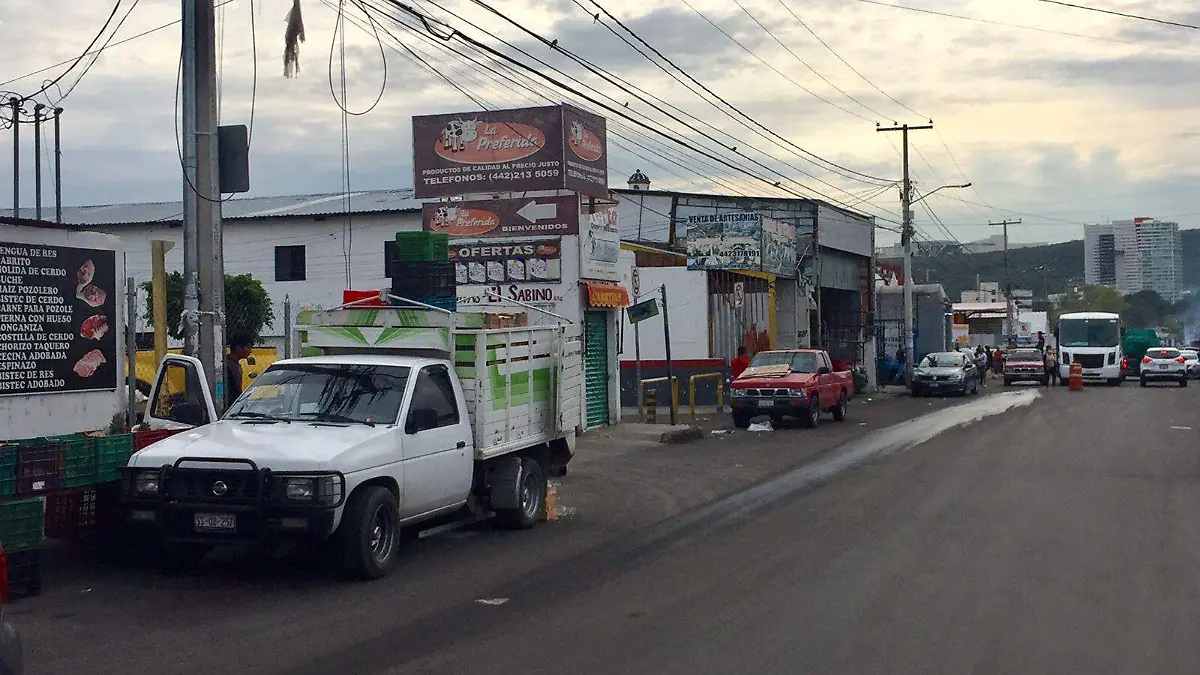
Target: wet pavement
x=625, y=508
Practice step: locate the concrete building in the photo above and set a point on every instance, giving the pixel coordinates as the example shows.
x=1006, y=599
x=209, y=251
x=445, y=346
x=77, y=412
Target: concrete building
x=1135, y=255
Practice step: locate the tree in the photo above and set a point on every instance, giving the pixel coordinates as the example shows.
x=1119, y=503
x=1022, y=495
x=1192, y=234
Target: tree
x=1089, y=299
x=1147, y=309
x=247, y=307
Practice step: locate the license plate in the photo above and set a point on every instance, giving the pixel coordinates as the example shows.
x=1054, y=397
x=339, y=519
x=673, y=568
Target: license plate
x=935, y=385
x=766, y=404
x=215, y=522
x=1162, y=366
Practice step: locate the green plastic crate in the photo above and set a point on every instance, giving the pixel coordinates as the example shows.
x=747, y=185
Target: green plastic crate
x=8, y=470
x=112, y=453
x=21, y=523
x=422, y=246
x=77, y=461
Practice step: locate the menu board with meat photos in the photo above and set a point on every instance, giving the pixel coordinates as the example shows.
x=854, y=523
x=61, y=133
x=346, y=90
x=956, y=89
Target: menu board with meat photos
x=488, y=263
x=57, y=319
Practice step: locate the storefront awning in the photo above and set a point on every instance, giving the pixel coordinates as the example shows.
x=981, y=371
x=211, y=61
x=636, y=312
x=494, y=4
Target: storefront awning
x=609, y=296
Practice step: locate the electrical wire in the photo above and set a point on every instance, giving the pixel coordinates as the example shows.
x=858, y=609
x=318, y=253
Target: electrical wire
x=740, y=112
x=845, y=62
x=801, y=61
x=1113, y=12
x=338, y=34
x=80, y=58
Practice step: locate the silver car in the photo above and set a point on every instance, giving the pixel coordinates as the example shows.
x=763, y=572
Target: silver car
x=1192, y=361
x=1164, y=364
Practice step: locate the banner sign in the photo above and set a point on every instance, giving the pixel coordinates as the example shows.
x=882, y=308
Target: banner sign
x=58, y=319
x=491, y=263
x=741, y=241
x=516, y=150
x=599, y=246
x=534, y=216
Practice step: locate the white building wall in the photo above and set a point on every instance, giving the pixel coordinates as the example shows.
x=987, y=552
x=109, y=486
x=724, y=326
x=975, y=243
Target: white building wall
x=687, y=295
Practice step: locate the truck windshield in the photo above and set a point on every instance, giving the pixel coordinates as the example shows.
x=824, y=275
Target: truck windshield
x=799, y=362
x=325, y=393
x=1089, y=333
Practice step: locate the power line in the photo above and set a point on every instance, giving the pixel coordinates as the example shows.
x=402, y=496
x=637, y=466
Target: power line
x=80, y=58
x=844, y=61
x=97, y=56
x=1113, y=12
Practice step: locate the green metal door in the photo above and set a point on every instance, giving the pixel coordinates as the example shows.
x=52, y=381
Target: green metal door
x=595, y=367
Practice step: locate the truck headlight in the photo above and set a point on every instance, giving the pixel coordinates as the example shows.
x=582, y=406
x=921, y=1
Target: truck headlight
x=739, y=393
x=300, y=489
x=323, y=490
x=797, y=393
x=146, y=482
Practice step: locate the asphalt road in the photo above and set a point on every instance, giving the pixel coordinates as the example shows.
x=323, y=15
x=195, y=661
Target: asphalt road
x=1059, y=536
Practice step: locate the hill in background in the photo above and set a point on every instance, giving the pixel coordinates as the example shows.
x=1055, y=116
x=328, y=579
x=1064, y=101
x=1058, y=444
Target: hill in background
x=956, y=271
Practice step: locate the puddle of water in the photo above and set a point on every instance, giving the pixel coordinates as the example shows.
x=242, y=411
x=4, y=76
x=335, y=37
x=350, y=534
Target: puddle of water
x=874, y=446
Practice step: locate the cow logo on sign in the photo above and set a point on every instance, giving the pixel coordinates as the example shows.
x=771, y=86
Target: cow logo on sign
x=585, y=144
x=477, y=142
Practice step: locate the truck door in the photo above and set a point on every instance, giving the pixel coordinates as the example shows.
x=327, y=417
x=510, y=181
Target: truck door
x=438, y=451
x=179, y=397
x=825, y=386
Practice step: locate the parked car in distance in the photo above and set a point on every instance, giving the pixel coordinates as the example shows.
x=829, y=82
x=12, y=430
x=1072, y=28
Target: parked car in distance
x=946, y=373
x=1164, y=363
x=1192, y=362
x=1025, y=365
x=795, y=383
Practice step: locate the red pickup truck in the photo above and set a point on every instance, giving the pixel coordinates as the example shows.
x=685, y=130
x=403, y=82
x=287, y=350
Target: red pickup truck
x=796, y=383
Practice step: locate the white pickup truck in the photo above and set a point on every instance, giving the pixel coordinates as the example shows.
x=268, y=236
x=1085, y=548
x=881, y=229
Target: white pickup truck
x=393, y=421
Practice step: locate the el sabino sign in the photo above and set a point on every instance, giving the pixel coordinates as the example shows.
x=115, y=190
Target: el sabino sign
x=547, y=148
x=530, y=217
x=57, y=319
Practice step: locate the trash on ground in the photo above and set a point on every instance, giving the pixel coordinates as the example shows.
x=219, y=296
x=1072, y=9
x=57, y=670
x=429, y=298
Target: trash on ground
x=761, y=426
x=1182, y=428
x=716, y=432
x=494, y=602
x=862, y=424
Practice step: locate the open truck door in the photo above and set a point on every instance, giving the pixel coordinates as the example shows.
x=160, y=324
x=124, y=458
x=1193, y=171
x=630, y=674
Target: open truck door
x=180, y=397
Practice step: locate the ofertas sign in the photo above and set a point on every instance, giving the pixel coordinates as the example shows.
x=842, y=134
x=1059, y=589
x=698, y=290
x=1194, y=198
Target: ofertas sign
x=534, y=216
x=546, y=148
x=481, y=262
x=57, y=319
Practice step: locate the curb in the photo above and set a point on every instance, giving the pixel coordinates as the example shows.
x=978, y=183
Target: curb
x=677, y=436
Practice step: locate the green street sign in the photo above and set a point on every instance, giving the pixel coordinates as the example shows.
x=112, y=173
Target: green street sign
x=643, y=310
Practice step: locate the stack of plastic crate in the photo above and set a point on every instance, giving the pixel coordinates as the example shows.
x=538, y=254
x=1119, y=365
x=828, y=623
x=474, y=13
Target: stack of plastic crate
x=422, y=270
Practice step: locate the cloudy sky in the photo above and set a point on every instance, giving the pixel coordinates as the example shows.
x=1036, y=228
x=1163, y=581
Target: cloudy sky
x=1058, y=116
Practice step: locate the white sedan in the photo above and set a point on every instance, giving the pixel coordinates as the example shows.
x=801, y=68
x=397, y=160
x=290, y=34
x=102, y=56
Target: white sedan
x=1164, y=363
x=1192, y=361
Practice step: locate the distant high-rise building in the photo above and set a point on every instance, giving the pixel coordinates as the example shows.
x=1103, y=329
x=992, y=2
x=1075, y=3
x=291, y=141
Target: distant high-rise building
x=1135, y=255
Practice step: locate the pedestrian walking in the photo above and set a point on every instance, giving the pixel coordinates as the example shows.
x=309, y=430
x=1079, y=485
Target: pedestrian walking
x=981, y=362
x=1051, y=361
x=989, y=358
x=998, y=362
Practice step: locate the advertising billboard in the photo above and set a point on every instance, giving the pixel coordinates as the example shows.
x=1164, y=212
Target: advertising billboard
x=599, y=246
x=58, y=318
x=533, y=216
x=516, y=150
x=492, y=263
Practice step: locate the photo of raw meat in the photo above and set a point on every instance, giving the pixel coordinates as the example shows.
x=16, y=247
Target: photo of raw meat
x=516, y=270
x=83, y=275
x=92, y=294
x=86, y=367
x=94, y=327
x=495, y=270
x=477, y=272
x=538, y=269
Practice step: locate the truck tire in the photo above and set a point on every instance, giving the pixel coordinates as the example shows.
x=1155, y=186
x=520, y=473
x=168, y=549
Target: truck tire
x=813, y=419
x=369, y=535
x=531, y=488
x=843, y=405
x=741, y=421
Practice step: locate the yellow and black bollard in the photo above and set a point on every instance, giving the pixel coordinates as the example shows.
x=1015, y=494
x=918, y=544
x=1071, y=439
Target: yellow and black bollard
x=651, y=406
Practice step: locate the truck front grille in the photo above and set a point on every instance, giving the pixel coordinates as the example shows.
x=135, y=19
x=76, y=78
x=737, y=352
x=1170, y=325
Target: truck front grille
x=767, y=393
x=197, y=485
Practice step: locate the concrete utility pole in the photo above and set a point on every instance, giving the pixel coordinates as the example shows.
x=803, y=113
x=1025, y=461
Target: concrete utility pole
x=203, y=265
x=1008, y=303
x=906, y=236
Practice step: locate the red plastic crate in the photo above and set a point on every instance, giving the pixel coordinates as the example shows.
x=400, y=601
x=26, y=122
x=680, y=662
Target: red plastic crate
x=143, y=439
x=73, y=513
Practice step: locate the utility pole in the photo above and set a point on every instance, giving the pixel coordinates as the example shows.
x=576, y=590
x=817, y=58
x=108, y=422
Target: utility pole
x=203, y=265
x=906, y=237
x=16, y=124
x=57, y=166
x=1008, y=303
x=37, y=159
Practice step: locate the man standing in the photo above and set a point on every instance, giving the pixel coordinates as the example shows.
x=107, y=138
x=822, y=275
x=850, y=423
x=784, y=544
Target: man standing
x=740, y=363
x=239, y=349
x=1041, y=341
x=1051, y=361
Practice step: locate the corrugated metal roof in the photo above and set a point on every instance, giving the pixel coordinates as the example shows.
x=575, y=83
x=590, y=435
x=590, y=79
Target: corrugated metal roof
x=323, y=204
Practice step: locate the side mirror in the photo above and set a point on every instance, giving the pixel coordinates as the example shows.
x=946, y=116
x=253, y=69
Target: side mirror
x=823, y=370
x=421, y=419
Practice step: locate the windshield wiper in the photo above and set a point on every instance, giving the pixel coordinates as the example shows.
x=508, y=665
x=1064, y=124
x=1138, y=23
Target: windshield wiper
x=339, y=418
x=251, y=415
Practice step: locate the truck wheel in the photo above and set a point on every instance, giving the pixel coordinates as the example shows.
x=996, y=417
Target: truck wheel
x=813, y=418
x=531, y=486
x=843, y=405
x=369, y=533
x=741, y=421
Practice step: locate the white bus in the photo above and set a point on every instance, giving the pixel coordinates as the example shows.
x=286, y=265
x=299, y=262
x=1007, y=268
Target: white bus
x=1093, y=340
